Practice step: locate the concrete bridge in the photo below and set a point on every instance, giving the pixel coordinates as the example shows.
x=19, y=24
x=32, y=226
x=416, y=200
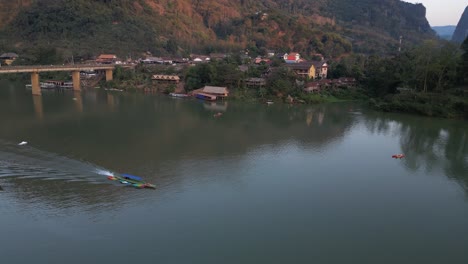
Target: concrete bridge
x=74, y=69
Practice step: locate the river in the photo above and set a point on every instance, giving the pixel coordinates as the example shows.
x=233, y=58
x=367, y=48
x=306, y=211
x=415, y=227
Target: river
x=259, y=184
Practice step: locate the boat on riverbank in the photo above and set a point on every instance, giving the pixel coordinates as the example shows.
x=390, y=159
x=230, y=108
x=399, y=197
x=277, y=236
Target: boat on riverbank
x=207, y=97
x=51, y=85
x=131, y=180
x=179, y=95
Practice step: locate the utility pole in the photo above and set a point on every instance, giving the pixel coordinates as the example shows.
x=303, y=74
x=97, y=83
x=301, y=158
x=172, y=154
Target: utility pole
x=401, y=40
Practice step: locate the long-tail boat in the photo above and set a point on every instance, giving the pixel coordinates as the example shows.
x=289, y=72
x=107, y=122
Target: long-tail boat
x=132, y=180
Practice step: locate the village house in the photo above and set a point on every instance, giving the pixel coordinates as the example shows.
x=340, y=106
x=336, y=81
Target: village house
x=292, y=57
x=199, y=58
x=321, y=69
x=263, y=16
x=255, y=82
x=243, y=68
x=304, y=70
x=312, y=87
x=211, y=93
x=325, y=82
x=152, y=60
x=179, y=60
x=217, y=56
x=167, y=60
x=347, y=81
x=106, y=59
x=8, y=58
x=216, y=90
x=259, y=60
x=166, y=79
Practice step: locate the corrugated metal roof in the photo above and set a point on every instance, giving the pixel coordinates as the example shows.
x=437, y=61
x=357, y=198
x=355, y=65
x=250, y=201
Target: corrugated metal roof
x=107, y=56
x=165, y=77
x=9, y=55
x=215, y=90
x=301, y=66
x=318, y=64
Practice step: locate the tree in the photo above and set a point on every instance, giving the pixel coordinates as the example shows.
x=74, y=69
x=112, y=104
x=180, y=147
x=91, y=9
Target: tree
x=465, y=58
x=447, y=58
x=281, y=81
x=435, y=64
x=381, y=76
x=171, y=46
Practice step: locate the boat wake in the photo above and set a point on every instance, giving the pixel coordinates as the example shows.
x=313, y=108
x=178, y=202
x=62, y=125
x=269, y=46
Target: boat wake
x=27, y=162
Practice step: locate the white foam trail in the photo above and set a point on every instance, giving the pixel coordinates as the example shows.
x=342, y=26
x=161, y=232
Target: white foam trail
x=104, y=172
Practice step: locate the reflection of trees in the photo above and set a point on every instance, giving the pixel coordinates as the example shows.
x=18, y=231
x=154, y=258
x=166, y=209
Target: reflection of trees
x=429, y=144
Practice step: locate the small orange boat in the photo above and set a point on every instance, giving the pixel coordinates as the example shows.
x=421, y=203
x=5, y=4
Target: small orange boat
x=398, y=156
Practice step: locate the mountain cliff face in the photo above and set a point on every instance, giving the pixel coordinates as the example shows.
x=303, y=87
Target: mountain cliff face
x=461, y=32
x=329, y=27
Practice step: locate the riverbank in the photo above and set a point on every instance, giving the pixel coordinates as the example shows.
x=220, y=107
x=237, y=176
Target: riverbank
x=448, y=105
x=452, y=104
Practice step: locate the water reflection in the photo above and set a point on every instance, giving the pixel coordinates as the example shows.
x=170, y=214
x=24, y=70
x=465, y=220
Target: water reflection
x=38, y=108
x=111, y=102
x=216, y=106
x=430, y=145
x=78, y=99
x=316, y=114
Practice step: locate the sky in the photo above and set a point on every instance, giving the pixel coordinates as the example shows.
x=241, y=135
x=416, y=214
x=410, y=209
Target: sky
x=442, y=12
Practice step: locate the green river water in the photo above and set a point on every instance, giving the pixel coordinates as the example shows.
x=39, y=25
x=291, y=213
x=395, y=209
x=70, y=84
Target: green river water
x=260, y=184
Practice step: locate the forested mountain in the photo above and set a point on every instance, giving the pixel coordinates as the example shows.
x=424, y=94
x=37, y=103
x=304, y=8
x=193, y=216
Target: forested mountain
x=330, y=27
x=461, y=32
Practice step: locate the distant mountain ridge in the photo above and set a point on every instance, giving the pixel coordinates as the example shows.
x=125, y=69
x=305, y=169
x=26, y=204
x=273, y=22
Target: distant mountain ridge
x=445, y=32
x=328, y=27
x=461, y=32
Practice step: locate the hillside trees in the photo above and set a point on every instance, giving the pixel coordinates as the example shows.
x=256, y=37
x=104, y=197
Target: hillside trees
x=464, y=66
x=434, y=65
x=431, y=67
x=217, y=73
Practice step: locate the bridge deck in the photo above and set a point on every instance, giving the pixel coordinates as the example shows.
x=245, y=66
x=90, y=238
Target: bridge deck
x=51, y=68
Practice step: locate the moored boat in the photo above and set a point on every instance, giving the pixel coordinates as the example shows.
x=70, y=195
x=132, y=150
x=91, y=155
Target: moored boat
x=207, y=97
x=49, y=85
x=178, y=95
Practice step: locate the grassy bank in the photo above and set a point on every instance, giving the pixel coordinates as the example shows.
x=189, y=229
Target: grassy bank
x=448, y=105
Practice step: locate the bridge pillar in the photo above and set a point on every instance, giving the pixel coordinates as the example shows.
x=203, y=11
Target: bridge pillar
x=36, y=87
x=38, y=109
x=76, y=81
x=109, y=75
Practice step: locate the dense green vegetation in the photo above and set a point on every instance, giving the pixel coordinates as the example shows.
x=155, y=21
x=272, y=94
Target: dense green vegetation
x=429, y=80
x=82, y=28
